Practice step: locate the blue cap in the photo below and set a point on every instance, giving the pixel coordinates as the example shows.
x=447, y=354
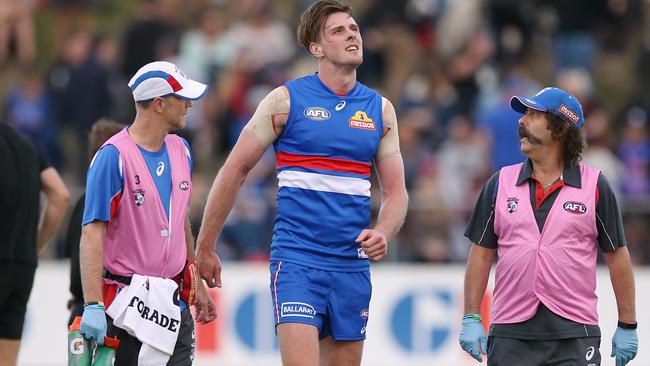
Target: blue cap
x=552, y=100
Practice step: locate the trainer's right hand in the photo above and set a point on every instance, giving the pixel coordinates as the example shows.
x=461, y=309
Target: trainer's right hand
x=209, y=267
x=625, y=345
x=472, y=336
x=93, y=323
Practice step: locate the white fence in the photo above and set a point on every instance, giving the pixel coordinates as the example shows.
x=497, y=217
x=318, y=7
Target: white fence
x=414, y=318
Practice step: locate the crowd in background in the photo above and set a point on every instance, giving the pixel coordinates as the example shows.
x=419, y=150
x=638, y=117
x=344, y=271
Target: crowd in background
x=449, y=66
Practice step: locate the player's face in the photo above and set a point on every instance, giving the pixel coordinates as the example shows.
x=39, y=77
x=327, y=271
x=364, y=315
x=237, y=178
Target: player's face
x=533, y=131
x=341, y=40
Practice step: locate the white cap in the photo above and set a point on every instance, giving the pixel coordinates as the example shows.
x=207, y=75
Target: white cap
x=161, y=78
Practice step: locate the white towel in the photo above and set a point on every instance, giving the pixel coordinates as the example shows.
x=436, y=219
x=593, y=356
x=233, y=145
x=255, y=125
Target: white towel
x=146, y=310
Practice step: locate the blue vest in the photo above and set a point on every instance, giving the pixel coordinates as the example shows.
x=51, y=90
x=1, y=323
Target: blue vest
x=324, y=158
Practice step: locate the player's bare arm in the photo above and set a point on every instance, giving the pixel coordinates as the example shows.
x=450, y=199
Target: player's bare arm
x=394, y=203
x=260, y=132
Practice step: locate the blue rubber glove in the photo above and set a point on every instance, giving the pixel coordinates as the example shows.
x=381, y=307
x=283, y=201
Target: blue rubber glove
x=625, y=344
x=93, y=323
x=472, y=336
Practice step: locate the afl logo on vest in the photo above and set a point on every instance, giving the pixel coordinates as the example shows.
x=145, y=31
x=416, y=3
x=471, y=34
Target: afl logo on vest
x=138, y=197
x=317, y=113
x=573, y=207
x=184, y=185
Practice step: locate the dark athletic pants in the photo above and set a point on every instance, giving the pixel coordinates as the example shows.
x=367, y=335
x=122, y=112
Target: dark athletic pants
x=563, y=352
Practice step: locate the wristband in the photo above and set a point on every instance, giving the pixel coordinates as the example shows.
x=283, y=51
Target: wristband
x=472, y=317
x=94, y=303
x=626, y=325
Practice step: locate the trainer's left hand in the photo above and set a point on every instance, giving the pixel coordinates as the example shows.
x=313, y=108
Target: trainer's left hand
x=625, y=345
x=374, y=243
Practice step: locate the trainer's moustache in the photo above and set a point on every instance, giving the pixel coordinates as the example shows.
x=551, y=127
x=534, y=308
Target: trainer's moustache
x=523, y=132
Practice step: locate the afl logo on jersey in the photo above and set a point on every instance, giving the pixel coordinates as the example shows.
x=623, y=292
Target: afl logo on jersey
x=317, y=113
x=362, y=121
x=573, y=207
x=364, y=313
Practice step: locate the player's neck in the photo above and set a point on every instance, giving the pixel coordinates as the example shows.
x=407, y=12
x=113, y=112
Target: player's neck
x=340, y=80
x=147, y=133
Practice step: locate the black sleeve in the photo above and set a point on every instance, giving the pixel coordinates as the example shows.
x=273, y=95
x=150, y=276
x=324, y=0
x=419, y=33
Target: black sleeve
x=608, y=218
x=43, y=163
x=480, y=229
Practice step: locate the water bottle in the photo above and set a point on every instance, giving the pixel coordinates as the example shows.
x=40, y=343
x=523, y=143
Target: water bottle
x=79, y=352
x=105, y=355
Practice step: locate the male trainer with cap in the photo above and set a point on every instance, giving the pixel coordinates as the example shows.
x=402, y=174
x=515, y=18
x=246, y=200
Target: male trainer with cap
x=546, y=218
x=135, y=221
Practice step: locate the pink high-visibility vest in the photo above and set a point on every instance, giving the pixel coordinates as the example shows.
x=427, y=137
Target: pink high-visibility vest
x=556, y=266
x=139, y=237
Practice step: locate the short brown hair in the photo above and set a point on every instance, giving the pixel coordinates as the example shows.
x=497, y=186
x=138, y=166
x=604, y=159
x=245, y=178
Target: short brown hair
x=313, y=20
x=573, y=139
x=101, y=131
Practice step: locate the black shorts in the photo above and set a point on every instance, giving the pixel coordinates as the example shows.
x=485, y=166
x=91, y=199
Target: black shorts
x=583, y=351
x=129, y=348
x=15, y=286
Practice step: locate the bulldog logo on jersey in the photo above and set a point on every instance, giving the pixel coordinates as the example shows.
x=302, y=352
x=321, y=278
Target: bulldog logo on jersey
x=138, y=197
x=362, y=121
x=512, y=204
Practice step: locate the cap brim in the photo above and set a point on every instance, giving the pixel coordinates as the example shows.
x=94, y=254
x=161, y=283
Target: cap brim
x=520, y=104
x=192, y=91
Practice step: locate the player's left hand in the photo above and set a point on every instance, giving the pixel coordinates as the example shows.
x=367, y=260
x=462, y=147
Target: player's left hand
x=206, y=311
x=374, y=243
x=625, y=344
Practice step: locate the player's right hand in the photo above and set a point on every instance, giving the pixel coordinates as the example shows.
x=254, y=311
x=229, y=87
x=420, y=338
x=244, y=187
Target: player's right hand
x=209, y=266
x=472, y=336
x=93, y=323
x=374, y=243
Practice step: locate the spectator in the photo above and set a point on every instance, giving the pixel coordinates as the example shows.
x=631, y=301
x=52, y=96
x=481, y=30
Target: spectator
x=29, y=108
x=154, y=20
x=17, y=29
x=634, y=150
x=79, y=84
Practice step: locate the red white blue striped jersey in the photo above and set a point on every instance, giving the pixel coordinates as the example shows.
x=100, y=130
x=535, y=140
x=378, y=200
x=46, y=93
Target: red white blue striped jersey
x=324, y=160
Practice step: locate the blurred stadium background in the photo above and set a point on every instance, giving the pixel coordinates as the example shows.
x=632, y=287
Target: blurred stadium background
x=449, y=66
